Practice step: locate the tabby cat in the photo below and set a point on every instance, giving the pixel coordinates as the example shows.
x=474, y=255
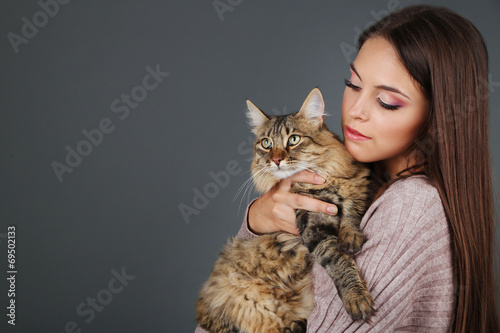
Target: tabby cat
x=264, y=284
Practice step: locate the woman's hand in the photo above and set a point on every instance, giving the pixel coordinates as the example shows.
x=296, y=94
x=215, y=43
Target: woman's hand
x=275, y=209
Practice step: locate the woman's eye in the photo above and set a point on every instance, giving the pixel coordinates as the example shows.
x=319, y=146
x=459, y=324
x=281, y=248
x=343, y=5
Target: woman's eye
x=349, y=84
x=386, y=106
x=293, y=140
x=266, y=143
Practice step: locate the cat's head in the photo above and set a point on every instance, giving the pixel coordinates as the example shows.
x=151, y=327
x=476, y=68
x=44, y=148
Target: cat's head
x=288, y=144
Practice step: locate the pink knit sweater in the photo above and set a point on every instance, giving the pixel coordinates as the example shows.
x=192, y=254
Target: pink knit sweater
x=406, y=262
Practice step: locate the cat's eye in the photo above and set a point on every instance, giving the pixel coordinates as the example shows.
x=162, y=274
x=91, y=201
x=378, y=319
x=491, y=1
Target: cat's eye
x=293, y=140
x=266, y=143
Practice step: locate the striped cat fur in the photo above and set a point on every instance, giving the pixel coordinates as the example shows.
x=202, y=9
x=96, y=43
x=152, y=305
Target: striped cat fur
x=264, y=285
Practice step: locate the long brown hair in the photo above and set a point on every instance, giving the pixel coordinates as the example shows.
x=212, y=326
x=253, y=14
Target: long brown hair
x=447, y=56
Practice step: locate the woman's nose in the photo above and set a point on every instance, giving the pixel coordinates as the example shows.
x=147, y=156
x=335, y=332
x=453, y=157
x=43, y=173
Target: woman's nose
x=359, y=109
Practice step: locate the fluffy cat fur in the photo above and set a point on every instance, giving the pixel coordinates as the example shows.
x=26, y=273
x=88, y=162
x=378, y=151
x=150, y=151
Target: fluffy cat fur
x=264, y=284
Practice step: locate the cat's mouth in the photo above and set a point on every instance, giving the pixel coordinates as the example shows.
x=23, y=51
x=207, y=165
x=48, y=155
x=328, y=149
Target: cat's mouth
x=284, y=171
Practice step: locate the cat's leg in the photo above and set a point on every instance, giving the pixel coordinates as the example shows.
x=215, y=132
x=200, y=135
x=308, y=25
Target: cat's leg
x=345, y=224
x=298, y=307
x=321, y=241
x=280, y=296
x=353, y=206
x=261, y=285
x=272, y=312
x=342, y=268
x=213, y=319
x=297, y=326
x=214, y=324
x=350, y=238
x=297, y=300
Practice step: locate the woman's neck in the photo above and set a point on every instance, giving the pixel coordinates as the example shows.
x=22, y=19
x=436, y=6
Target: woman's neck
x=395, y=167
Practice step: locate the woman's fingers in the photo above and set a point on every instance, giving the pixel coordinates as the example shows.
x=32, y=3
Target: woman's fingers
x=299, y=201
x=305, y=177
x=287, y=227
x=275, y=209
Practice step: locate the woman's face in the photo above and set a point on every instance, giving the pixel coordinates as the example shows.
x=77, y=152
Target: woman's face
x=383, y=108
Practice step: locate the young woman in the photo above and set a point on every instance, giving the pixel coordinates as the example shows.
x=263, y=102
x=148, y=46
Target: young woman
x=416, y=109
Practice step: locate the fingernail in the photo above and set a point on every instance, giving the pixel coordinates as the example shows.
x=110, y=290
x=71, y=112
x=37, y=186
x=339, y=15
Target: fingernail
x=332, y=210
x=319, y=179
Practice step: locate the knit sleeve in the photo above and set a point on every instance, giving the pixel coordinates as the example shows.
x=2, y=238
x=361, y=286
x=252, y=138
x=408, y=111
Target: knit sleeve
x=406, y=262
x=198, y=329
x=245, y=232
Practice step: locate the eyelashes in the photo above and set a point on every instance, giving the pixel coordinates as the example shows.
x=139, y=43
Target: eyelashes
x=349, y=84
x=386, y=106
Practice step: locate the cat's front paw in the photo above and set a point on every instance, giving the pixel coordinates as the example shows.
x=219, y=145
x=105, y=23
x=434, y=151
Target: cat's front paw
x=350, y=240
x=298, y=326
x=359, y=304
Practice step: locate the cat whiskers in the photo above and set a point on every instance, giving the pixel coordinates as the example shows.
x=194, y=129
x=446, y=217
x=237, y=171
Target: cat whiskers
x=243, y=187
x=252, y=182
x=247, y=187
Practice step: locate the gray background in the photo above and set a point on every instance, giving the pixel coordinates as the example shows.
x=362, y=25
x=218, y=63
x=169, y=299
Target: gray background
x=119, y=208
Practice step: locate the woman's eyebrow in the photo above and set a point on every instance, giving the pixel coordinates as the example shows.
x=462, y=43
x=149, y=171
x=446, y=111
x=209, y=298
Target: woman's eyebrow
x=382, y=86
x=392, y=89
x=354, y=70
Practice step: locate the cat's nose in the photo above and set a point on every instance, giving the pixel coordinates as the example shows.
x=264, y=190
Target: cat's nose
x=277, y=161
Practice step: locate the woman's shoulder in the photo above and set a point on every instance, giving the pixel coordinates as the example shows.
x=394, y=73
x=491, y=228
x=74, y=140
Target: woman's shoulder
x=407, y=228
x=411, y=187
x=409, y=192
x=407, y=201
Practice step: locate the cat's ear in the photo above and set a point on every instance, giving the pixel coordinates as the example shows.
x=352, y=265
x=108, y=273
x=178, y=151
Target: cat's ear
x=313, y=108
x=256, y=118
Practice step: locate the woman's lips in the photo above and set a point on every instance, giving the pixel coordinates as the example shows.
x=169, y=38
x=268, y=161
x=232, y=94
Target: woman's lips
x=354, y=135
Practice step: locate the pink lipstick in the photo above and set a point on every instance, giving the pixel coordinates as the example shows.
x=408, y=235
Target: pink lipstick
x=354, y=135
